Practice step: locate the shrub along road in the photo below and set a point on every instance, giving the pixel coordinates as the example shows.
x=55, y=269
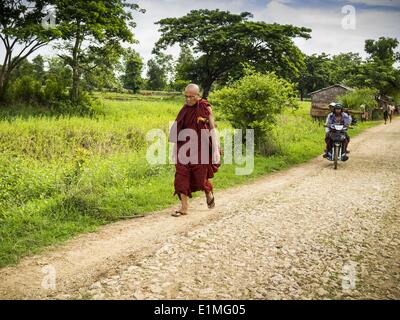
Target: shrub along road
x=306, y=232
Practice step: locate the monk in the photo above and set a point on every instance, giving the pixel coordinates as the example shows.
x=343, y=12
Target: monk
x=196, y=155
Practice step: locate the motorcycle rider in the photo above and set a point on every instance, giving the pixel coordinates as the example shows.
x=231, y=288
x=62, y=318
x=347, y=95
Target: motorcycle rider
x=352, y=121
x=346, y=110
x=336, y=116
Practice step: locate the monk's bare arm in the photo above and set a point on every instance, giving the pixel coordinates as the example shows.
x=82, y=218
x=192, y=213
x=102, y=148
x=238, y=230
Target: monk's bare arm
x=213, y=126
x=211, y=119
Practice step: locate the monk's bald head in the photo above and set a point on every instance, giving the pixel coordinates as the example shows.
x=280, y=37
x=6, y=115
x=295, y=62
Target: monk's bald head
x=192, y=94
x=193, y=88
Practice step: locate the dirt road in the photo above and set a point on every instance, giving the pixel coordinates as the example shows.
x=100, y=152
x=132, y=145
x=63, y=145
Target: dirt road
x=307, y=232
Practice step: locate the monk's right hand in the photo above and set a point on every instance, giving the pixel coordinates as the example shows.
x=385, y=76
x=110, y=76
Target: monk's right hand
x=216, y=157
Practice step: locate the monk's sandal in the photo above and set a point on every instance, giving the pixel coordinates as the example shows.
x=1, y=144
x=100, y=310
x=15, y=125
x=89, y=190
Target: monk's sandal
x=178, y=214
x=211, y=203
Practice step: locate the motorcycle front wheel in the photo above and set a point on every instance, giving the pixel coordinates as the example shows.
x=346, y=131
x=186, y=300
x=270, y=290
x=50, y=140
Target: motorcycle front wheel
x=335, y=156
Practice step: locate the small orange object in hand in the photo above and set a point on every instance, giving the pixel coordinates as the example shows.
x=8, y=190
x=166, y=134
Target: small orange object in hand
x=202, y=119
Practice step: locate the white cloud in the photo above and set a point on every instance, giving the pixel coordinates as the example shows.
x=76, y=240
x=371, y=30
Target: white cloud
x=328, y=35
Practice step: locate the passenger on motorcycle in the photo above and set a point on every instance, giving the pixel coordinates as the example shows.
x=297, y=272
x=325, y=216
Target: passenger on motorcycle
x=346, y=111
x=336, y=116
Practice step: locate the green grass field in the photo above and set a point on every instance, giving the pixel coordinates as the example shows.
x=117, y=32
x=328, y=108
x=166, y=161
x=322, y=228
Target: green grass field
x=61, y=176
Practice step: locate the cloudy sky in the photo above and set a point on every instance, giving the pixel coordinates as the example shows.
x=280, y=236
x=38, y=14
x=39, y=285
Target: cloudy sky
x=337, y=25
x=333, y=27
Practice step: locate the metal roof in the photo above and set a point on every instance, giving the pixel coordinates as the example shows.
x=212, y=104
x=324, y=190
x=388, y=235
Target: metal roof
x=335, y=85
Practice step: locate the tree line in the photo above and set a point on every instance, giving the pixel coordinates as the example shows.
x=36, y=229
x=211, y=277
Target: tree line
x=93, y=40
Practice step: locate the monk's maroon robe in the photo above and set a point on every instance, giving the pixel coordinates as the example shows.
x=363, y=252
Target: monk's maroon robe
x=195, y=175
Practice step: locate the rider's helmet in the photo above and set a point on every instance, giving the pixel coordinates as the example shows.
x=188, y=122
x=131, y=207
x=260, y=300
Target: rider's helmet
x=338, y=106
x=332, y=105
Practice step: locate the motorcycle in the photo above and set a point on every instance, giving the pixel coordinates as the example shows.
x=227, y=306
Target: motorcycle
x=338, y=136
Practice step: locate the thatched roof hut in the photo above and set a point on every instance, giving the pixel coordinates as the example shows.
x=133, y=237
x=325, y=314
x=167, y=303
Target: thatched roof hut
x=321, y=99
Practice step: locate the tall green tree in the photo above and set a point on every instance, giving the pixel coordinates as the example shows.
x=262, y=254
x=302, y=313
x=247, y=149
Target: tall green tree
x=315, y=75
x=101, y=78
x=159, y=69
x=24, y=68
x=322, y=70
x=93, y=32
x=185, y=68
x=223, y=41
x=382, y=49
x=99, y=67
x=379, y=71
x=345, y=67
x=133, y=65
x=21, y=33
x=59, y=72
x=38, y=66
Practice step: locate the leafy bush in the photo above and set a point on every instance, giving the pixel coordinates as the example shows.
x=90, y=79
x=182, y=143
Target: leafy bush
x=53, y=96
x=354, y=99
x=179, y=85
x=253, y=102
x=54, y=91
x=27, y=89
x=88, y=105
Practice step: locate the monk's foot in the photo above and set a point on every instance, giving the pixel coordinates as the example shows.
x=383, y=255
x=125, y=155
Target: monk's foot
x=210, y=200
x=180, y=212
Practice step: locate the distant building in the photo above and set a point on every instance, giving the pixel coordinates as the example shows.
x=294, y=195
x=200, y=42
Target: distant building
x=321, y=99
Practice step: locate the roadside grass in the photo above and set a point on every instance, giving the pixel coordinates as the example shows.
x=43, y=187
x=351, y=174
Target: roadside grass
x=62, y=176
